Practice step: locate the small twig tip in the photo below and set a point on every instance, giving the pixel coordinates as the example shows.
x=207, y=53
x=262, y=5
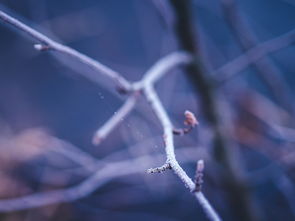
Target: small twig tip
x=200, y=165
x=160, y=169
x=199, y=175
x=40, y=47
x=96, y=140
x=190, y=119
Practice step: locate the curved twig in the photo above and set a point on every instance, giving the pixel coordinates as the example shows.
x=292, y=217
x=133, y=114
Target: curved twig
x=118, y=117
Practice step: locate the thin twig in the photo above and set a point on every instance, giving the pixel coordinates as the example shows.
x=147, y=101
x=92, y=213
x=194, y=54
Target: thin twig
x=160, y=169
x=118, y=117
x=48, y=43
x=158, y=70
x=199, y=175
x=163, y=117
x=126, y=167
x=164, y=65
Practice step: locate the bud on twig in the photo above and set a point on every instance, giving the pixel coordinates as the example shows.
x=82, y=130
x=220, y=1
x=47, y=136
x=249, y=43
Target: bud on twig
x=190, y=120
x=199, y=175
x=41, y=47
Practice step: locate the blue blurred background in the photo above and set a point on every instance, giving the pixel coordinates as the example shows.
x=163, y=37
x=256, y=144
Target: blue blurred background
x=44, y=96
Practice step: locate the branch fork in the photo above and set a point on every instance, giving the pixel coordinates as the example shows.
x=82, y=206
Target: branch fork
x=146, y=86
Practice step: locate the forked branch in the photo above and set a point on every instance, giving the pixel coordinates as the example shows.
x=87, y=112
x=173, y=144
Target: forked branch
x=146, y=85
x=164, y=119
x=118, y=117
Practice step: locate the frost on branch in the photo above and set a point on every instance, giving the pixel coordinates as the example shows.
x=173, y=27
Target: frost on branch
x=160, y=169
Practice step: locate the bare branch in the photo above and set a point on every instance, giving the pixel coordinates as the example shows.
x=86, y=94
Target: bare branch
x=182, y=131
x=118, y=117
x=160, y=68
x=120, y=168
x=163, y=117
x=160, y=169
x=47, y=43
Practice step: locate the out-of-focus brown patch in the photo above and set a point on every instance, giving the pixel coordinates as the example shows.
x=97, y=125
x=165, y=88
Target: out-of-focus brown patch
x=9, y=186
x=23, y=146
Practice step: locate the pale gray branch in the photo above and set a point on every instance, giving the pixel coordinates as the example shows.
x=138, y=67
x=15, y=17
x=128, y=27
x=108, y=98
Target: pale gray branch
x=109, y=171
x=163, y=117
x=118, y=117
x=102, y=176
x=105, y=172
x=47, y=43
x=164, y=65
